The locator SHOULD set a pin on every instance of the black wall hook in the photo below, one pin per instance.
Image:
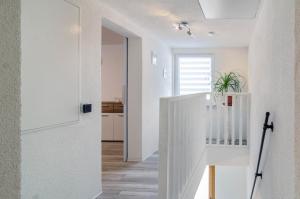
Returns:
(266, 125)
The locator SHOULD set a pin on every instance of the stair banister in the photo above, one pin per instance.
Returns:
(265, 128)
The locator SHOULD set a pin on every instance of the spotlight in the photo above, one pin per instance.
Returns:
(189, 32)
(180, 27)
(184, 25)
(211, 34)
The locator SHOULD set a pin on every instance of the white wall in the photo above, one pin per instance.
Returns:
(225, 59)
(231, 182)
(64, 162)
(10, 107)
(297, 99)
(272, 66)
(134, 99)
(154, 87)
(112, 72)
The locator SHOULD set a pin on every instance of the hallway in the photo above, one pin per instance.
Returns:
(127, 180)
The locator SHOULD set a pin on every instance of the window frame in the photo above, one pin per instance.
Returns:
(176, 87)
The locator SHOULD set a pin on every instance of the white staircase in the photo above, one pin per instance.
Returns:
(196, 130)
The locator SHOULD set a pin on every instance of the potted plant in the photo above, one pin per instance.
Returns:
(228, 82)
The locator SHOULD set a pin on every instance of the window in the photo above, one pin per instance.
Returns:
(194, 74)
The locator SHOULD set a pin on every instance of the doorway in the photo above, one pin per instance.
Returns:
(114, 75)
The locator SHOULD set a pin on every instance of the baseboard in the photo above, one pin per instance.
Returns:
(135, 160)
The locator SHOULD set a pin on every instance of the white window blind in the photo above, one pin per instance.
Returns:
(195, 74)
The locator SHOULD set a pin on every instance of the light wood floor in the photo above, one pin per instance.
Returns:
(129, 180)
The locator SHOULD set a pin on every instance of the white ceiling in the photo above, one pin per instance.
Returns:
(159, 16)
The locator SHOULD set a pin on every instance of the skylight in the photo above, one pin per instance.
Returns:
(229, 9)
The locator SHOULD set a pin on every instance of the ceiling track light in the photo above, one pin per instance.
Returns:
(180, 27)
(184, 26)
(211, 34)
(189, 32)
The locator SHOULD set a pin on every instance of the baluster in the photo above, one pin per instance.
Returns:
(172, 134)
(176, 155)
(233, 120)
(218, 118)
(184, 133)
(247, 118)
(211, 120)
(180, 126)
(186, 157)
(241, 121)
(226, 120)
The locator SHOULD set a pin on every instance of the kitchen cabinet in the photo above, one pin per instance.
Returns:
(112, 126)
(119, 127)
(107, 127)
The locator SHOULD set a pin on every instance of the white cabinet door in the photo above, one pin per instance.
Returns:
(119, 127)
(107, 127)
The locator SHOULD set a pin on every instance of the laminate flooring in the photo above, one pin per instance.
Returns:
(127, 180)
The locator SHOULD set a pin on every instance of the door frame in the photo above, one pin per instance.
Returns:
(125, 100)
(131, 90)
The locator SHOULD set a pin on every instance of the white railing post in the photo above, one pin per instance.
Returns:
(248, 119)
(241, 121)
(233, 114)
(210, 121)
(164, 148)
(218, 118)
(225, 119)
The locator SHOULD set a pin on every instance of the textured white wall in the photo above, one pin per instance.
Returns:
(231, 182)
(297, 101)
(271, 66)
(65, 162)
(10, 107)
(112, 72)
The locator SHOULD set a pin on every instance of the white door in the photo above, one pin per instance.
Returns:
(119, 127)
(107, 127)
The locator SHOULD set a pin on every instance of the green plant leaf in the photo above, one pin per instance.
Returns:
(228, 82)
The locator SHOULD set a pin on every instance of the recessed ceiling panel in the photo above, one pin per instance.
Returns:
(229, 9)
